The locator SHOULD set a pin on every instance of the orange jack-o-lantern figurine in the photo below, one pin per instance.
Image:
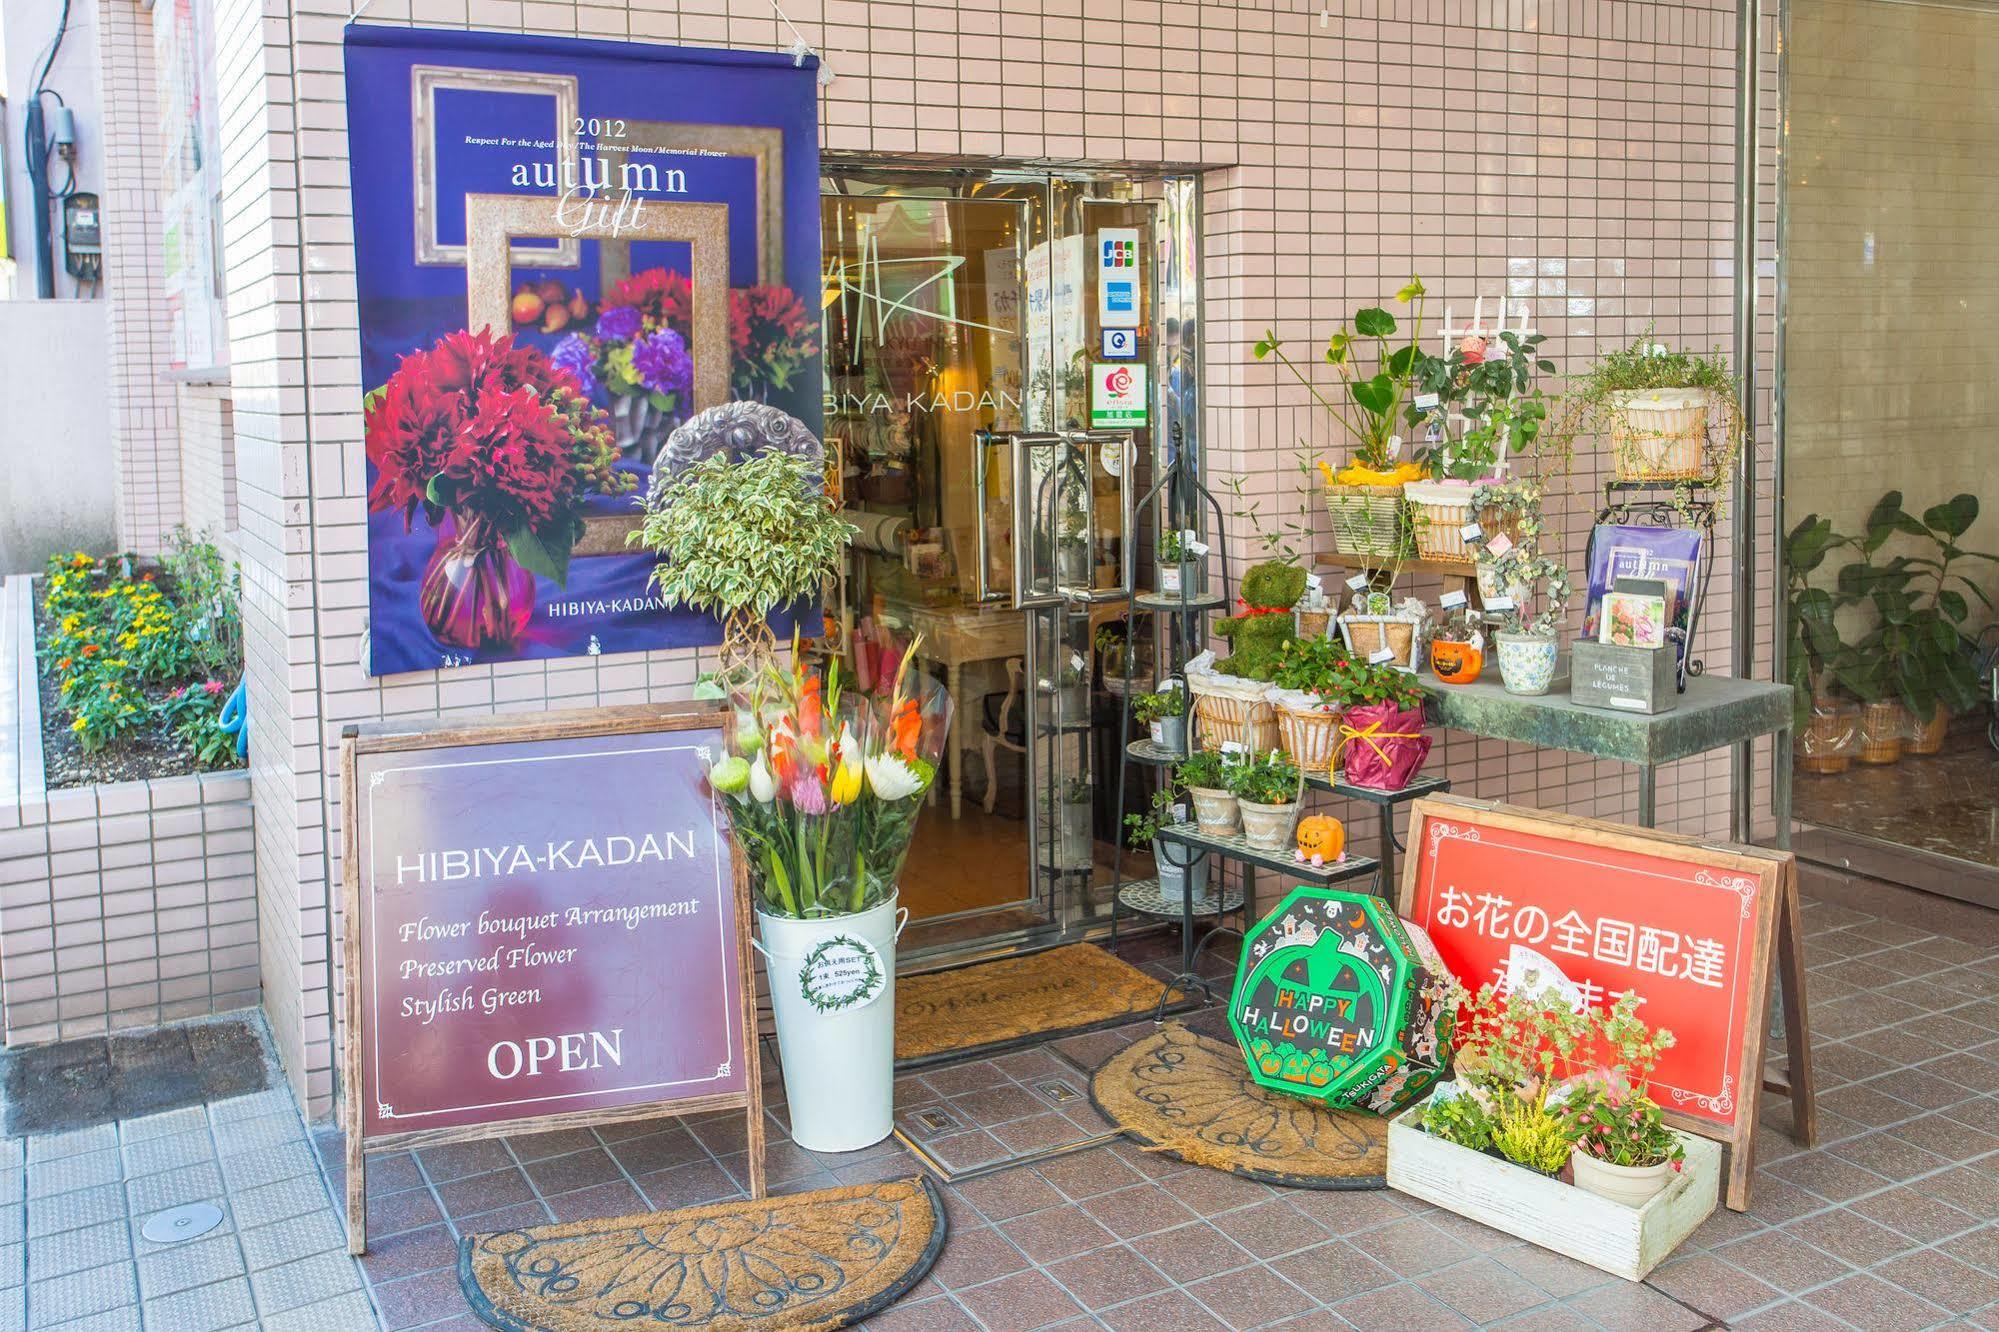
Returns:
(1321, 835)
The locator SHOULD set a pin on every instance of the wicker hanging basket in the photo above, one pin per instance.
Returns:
(1233, 710)
(1660, 434)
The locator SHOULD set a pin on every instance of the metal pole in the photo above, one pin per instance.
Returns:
(1748, 46)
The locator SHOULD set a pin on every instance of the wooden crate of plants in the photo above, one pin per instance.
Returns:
(1624, 1241)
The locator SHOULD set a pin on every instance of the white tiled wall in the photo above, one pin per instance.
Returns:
(1573, 153)
(208, 462)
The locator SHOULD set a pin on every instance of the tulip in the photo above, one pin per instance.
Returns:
(763, 785)
(729, 776)
(891, 779)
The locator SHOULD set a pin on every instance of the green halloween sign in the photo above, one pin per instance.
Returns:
(1335, 1000)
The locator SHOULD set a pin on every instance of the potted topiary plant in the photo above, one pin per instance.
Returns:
(1232, 700)
(1267, 788)
(1532, 590)
(1669, 415)
(1205, 774)
(1164, 715)
(1372, 407)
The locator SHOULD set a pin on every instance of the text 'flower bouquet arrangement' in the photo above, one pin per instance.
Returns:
(499, 447)
(825, 788)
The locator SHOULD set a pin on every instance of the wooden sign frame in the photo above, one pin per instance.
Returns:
(1777, 948)
(581, 723)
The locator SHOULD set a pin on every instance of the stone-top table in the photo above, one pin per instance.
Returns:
(1715, 712)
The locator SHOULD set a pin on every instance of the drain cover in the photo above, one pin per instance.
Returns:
(181, 1223)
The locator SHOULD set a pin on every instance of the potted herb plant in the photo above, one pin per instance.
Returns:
(1309, 675)
(1623, 1150)
(1267, 787)
(1377, 377)
(1182, 869)
(1179, 565)
(1164, 714)
(1483, 388)
(1670, 415)
(1205, 774)
(1530, 590)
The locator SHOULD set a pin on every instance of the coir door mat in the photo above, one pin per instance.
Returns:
(992, 1005)
(1190, 1096)
(824, 1259)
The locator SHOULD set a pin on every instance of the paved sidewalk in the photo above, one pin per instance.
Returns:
(1888, 1225)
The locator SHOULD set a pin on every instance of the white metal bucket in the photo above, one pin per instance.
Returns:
(837, 1044)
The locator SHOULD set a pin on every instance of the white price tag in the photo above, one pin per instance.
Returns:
(1425, 401)
(1076, 660)
(1472, 532)
(1313, 583)
(1499, 603)
(1233, 747)
(1451, 600)
(1499, 545)
(1478, 641)
(1377, 658)
(1197, 547)
(1358, 582)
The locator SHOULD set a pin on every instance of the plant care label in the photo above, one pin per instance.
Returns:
(1472, 532)
(525, 911)
(1452, 600)
(842, 973)
(1234, 747)
(1359, 582)
(1380, 657)
(1314, 584)
(1076, 661)
(1195, 547)
(1426, 401)
(1499, 545)
(1498, 604)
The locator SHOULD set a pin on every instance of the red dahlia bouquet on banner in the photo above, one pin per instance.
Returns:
(499, 447)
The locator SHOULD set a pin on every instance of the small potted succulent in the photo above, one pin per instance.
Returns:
(1377, 380)
(1205, 774)
(1179, 564)
(1530, 591)
(1267, 787)
(1183, 870)
(1164, 714)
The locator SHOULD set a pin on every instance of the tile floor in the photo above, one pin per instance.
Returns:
(1889, 1224)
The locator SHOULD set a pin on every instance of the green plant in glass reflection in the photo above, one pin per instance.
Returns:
(1917, 653)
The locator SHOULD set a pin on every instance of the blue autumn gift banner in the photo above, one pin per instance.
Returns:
(564, 251)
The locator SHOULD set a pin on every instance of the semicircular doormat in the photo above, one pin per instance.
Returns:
(1190, 1096)
(824, 1259)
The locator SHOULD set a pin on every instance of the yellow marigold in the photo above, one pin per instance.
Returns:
(78, 724)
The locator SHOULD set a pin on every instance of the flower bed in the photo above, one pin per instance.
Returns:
(135, 664)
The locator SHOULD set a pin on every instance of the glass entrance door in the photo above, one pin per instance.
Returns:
(961, 330)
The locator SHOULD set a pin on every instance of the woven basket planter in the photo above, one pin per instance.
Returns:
(1367, 520)
(1927, 737)
(1309, 735)
(1827, 743)
(1883, 728)
(1660, 434)
(1437, 516)
(1369, 634)
(1225, 712)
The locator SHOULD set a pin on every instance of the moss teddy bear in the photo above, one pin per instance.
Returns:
(1269, 591)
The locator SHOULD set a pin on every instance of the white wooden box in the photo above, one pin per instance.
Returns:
(1624, 1241)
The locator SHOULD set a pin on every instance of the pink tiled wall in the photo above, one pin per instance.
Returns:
(1575, 154)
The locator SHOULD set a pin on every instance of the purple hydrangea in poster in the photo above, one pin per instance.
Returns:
(563, 250)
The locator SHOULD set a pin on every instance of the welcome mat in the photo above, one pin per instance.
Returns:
(991, 1005)
(824, 1259)
(1190, 1096)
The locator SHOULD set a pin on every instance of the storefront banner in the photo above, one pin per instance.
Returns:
(564, 250)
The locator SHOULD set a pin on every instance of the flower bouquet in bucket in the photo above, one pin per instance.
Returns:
(823, 794)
